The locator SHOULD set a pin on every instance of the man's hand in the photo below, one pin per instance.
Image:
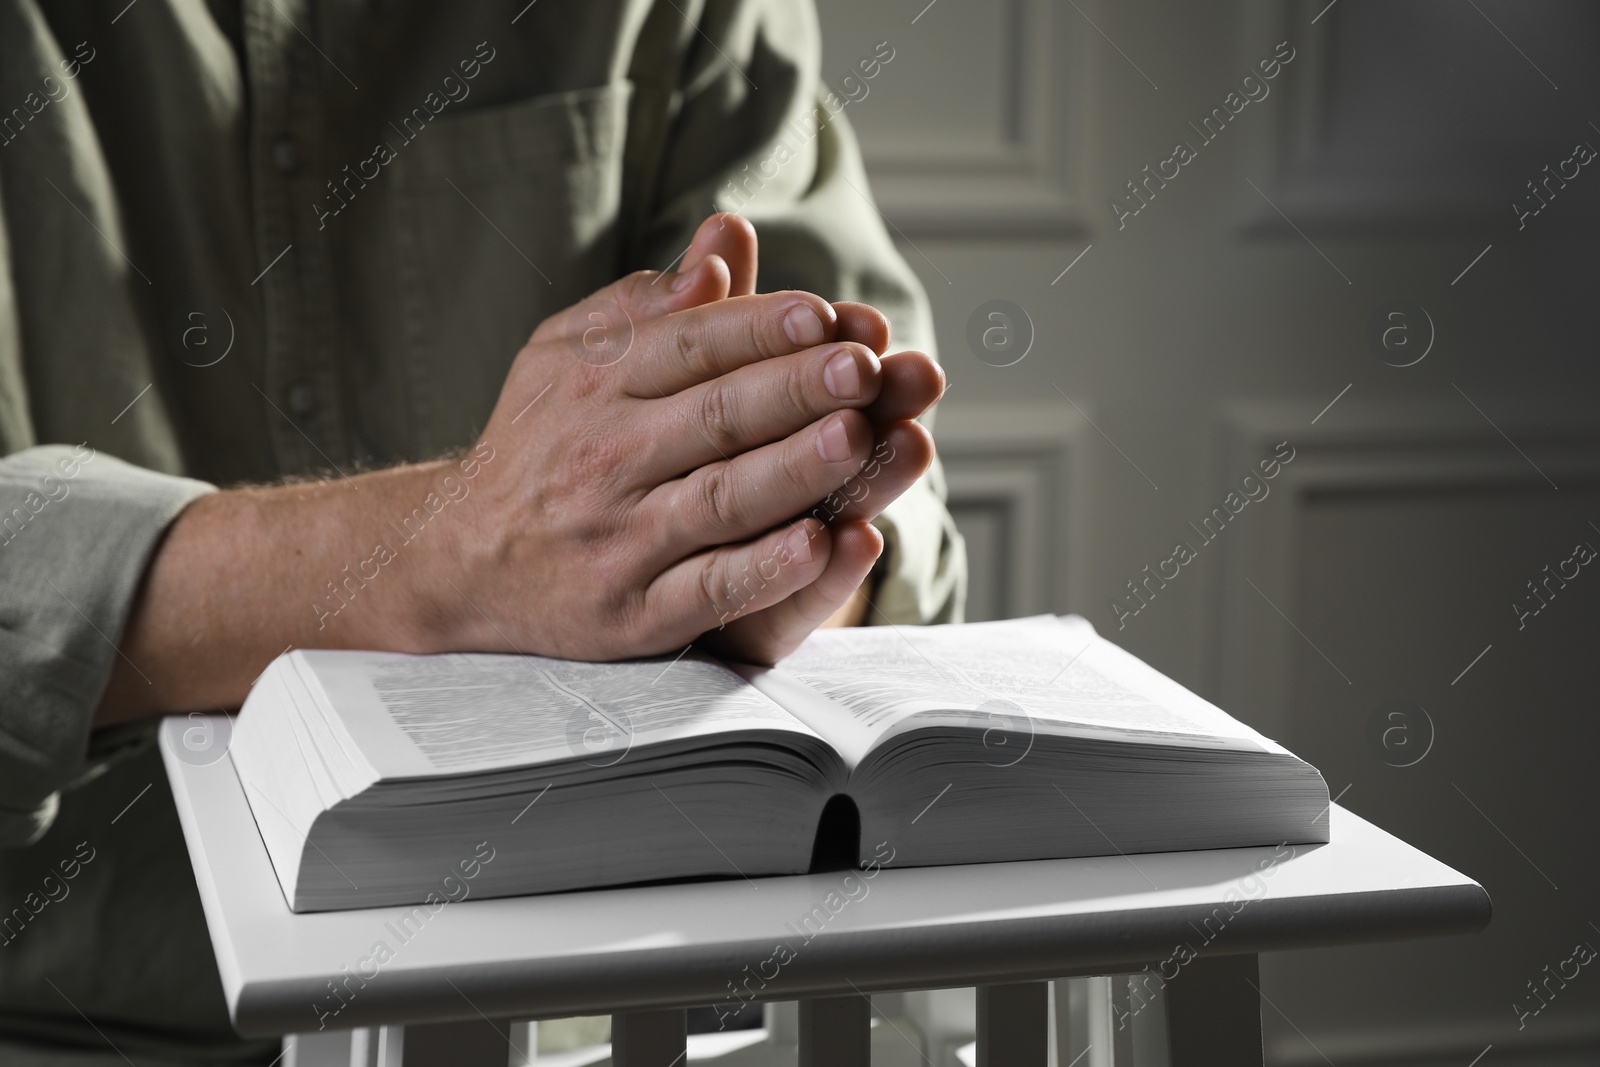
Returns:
(612, 507)
(910, 384)
(666, 494)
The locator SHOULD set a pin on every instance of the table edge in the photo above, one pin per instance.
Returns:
(875, 961)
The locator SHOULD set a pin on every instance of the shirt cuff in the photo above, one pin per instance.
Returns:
(924, 562)
(77, 529)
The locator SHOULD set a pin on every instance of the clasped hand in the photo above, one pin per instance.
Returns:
(678, 456)
(673, 459)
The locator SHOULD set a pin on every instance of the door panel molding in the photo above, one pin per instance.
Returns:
(1028, 180)
(1370, 448)
(1025, 464)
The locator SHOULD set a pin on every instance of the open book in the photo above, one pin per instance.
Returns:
(380, 778)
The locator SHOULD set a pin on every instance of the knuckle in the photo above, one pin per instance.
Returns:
(714, 497)
(689, 339)
(713, 591)
(588, 380)
(799, 392)
(760, 337)
(596, 463)
(796, 476)
(633, 614)
(715, 412)
(632, 292)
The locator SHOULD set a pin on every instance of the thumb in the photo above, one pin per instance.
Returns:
(637, 297)
(720, 262)
(733, 238)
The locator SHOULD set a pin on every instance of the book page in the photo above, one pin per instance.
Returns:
(1018, 676)
(461, 713)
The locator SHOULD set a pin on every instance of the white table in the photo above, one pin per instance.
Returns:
(643, 954)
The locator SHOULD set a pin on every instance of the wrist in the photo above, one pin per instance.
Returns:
(386, 587)
(423, 516)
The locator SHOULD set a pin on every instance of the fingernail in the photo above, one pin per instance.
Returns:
(683, 280)
(803, 326)
(833, 443)
(799, 545)
(842, 376)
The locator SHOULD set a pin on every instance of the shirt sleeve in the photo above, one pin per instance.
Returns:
(77, 529)
(749, 126)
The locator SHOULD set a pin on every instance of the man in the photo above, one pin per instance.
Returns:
(250, 241)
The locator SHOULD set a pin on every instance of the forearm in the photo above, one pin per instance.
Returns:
(633, 514)
(242, 575)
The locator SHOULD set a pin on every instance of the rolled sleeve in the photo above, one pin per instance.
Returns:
(77, 529)
(923, 576)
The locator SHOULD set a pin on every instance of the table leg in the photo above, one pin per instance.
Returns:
(836, 1032)
(1072, 1023)
(477, 1043)
(1118, 1018)
(327, 1048)
(649, 1039)
(376, 1046)
(1214, 1012)
(1013, 1024)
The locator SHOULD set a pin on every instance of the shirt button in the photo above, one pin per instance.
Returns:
(302, 399)
(284, 155)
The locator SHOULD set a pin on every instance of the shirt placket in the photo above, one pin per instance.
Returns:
(289, 81)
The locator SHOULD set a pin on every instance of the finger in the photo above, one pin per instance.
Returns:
(706, 342)
(863, 324)
(767, 636)
(912, 383)
(732, 237)
(902, 453)
(730, 500)
(715, 587)
(620, 307)
(757, 405)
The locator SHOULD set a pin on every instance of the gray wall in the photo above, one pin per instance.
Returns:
(1190, 338)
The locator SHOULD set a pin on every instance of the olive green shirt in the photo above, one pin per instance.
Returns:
(247, 240)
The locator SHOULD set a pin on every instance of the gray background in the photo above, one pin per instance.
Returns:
(1224, 318)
